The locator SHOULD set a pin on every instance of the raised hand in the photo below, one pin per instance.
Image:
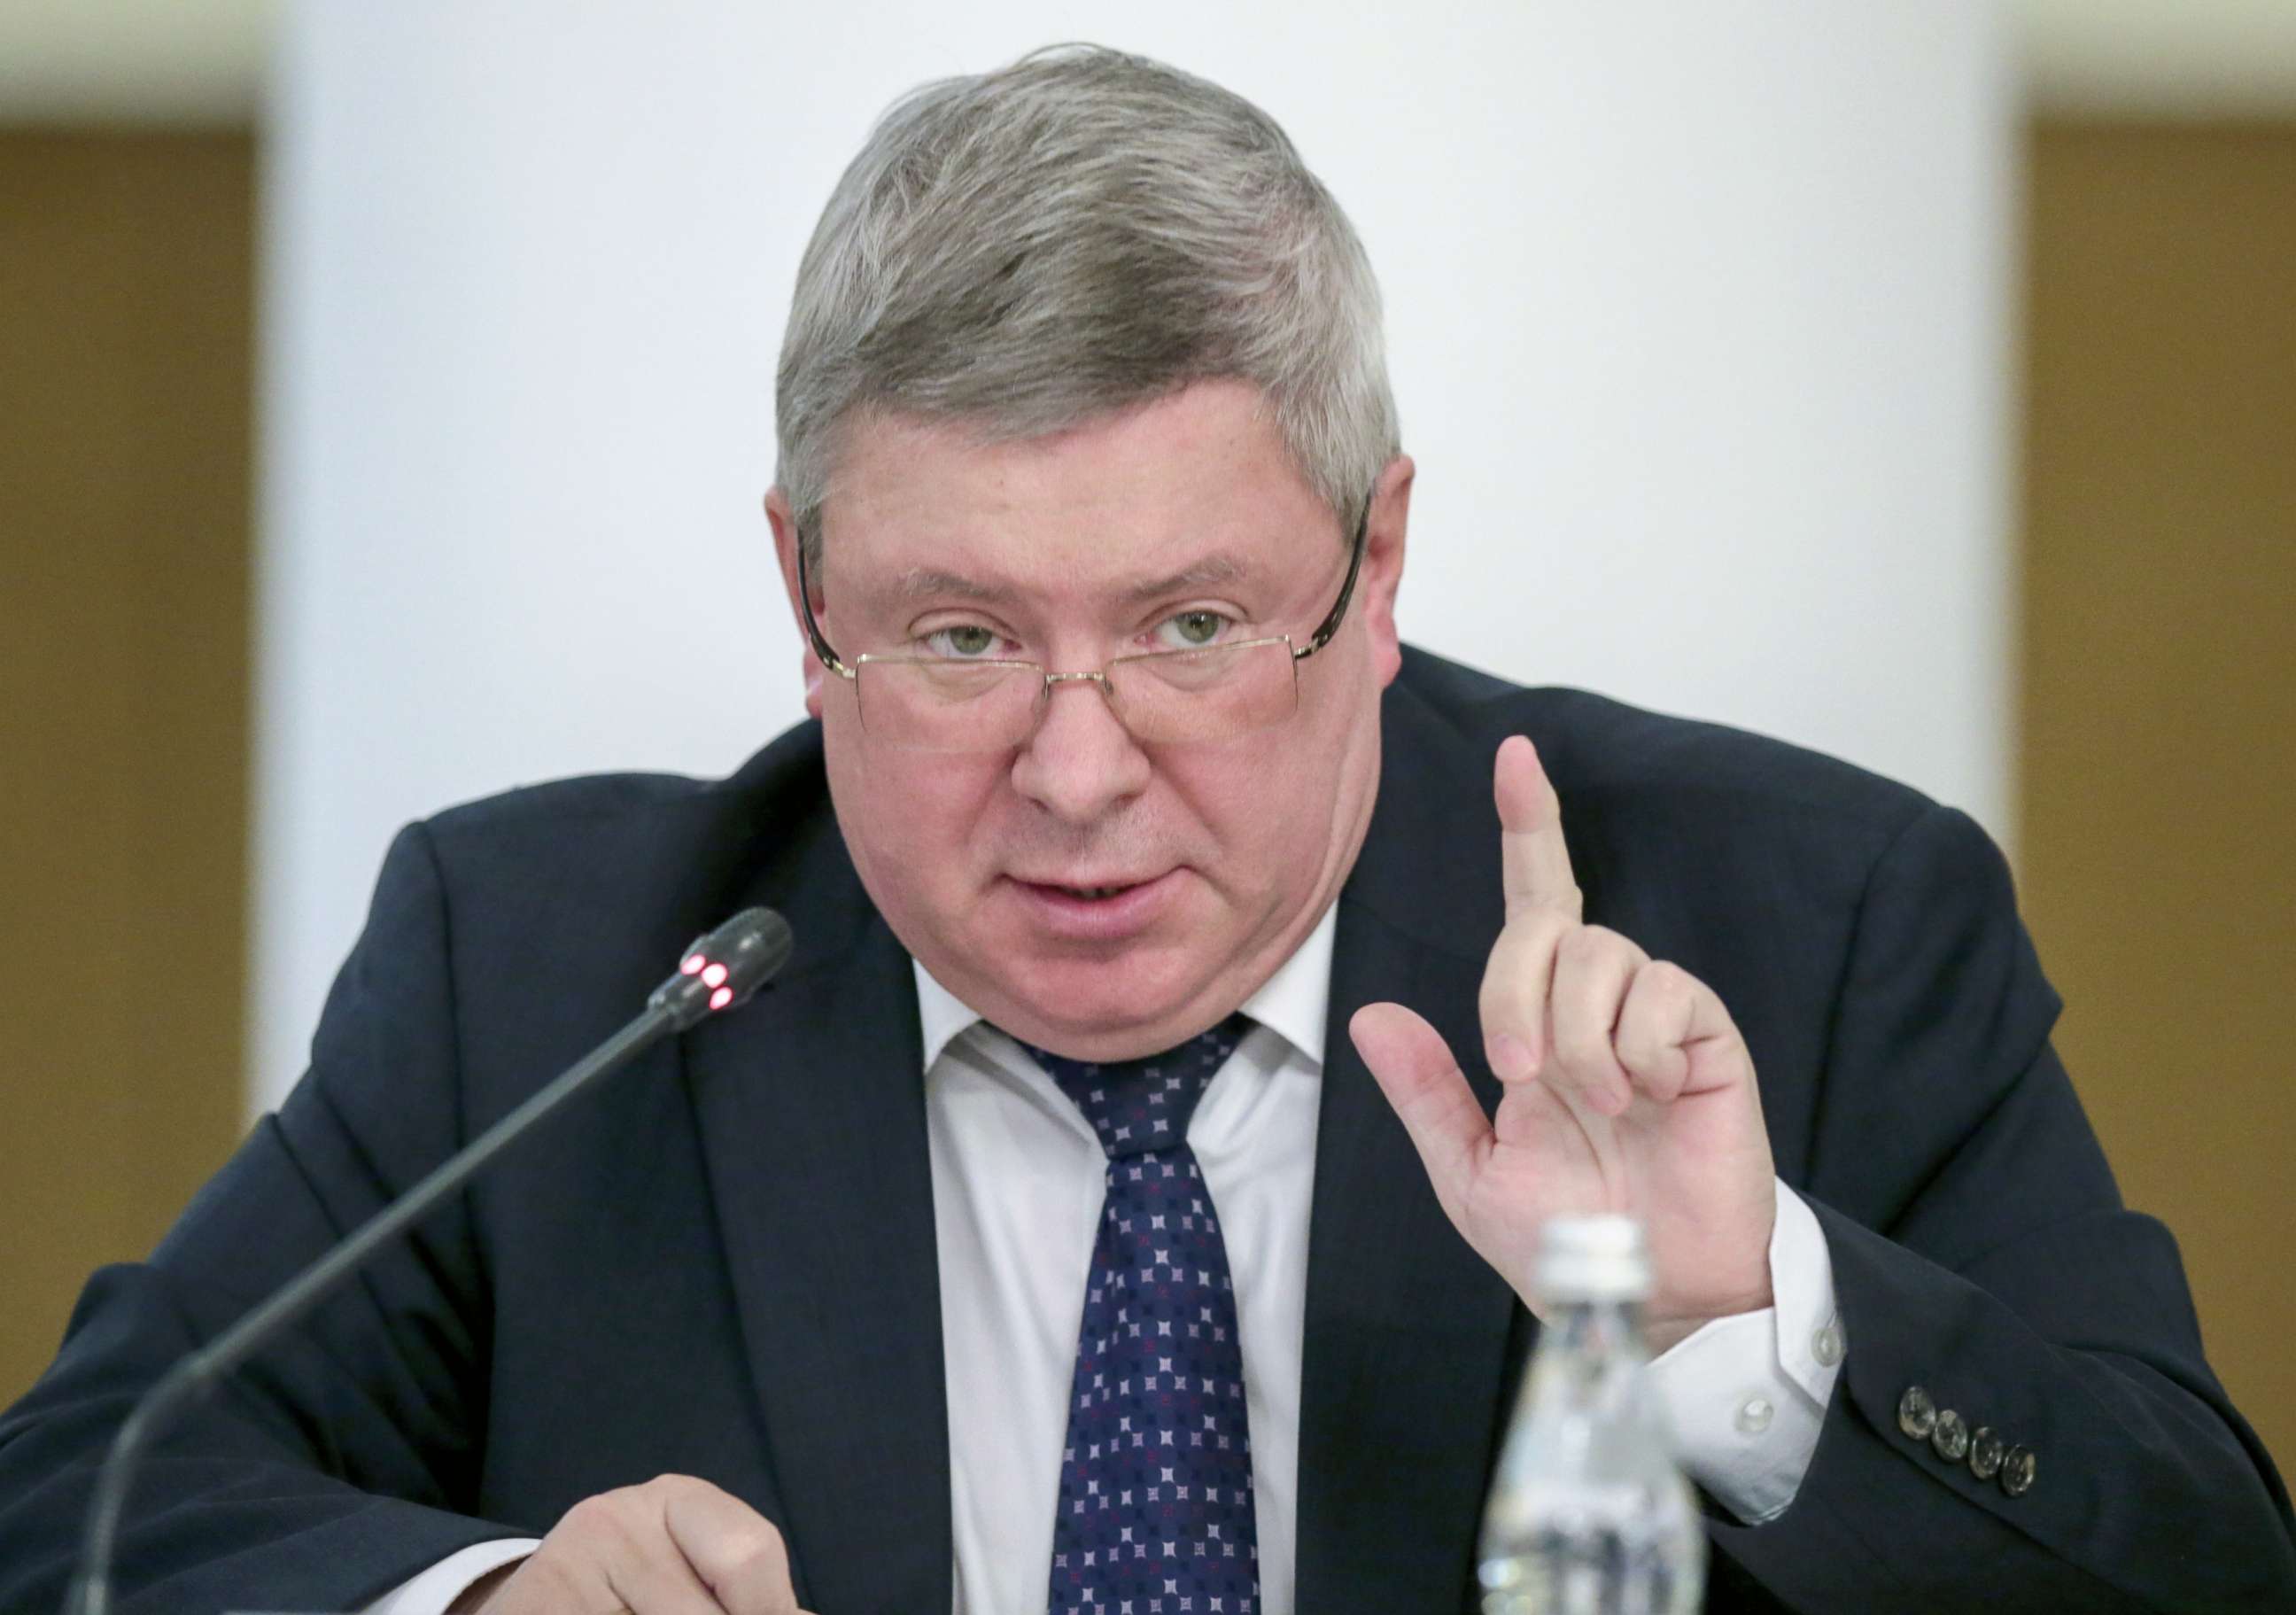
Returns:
(1627, 1088)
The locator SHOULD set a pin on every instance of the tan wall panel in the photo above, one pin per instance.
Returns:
(2160, 720)
(125, 297)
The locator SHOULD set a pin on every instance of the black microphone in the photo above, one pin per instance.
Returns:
(719, 973)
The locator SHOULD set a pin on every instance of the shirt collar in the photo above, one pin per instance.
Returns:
(1293, 1002)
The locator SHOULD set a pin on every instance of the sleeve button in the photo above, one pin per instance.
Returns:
(1916, 1414)
(1951, 1436)
(2017, 1471)
(1985, 1451)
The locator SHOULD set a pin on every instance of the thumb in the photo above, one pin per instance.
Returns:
(1415, 1069)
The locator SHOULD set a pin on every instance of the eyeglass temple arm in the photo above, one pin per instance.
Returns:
(828, 657)
(1330, 626)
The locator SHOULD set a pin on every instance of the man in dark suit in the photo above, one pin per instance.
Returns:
(1092, 510)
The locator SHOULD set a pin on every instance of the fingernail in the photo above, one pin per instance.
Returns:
(1510, 1057)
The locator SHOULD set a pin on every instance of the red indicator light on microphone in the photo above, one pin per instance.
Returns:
(723, 997)
(692, 966)
(714, 975)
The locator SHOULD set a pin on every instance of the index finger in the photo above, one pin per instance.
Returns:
(1534, 863)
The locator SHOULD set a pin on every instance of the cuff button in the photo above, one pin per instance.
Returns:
(1951, 1436)
(1985, 1451)
(2017, 1472)
(1916, 1414)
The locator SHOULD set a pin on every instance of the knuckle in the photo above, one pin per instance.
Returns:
(592, 1512)
(1635, 1038)
(1671, 984)
(664, 1491)
(1648, 1055)
(604, 1523)
(1592, 947)
(759, 1551)
(1582, 1053)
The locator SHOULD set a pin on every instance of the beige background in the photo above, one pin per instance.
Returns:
(2158, 755)
(123, 341)
(2158, 761)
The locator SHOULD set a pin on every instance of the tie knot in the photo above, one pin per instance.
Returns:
(1138, 1106)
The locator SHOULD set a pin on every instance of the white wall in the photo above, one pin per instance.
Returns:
(1698, 316)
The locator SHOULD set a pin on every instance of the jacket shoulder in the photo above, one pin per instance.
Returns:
(612, 874)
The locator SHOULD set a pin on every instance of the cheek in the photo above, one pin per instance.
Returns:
(1269, 806)
(910, 820)
(1334, 770)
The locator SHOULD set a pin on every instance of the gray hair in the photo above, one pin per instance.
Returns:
(1071, 236)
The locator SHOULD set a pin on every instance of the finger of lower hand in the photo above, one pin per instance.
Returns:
(1592, 967)
(609, 1553)
(662, 1583)
(733, 1550)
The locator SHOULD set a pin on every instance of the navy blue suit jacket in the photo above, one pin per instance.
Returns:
(724, 1263)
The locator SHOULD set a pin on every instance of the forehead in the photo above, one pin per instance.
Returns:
(1155, 490)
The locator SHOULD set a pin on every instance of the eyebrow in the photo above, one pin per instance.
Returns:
(923, 583)
(919, 583)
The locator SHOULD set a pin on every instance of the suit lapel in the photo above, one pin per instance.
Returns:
(1407, 1332)
(812, 1111)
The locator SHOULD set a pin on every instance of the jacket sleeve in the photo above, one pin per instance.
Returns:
(330, 1467)
(1981, 1254)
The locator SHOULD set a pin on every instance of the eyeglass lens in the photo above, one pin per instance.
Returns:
(937, 704)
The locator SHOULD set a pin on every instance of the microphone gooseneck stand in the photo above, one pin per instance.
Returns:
(719, 973)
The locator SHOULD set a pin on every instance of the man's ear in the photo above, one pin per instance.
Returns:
(784, 525)
(1384, 542)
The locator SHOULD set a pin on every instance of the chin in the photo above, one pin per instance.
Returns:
(1117, 1007)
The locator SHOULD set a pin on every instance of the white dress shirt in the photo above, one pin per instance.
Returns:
(1018, 1178)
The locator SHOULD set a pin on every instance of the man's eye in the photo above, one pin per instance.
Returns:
(966, 643)
(1191, 630)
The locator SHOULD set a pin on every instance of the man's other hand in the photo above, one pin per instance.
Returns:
(673, 1546)
(1626, 1087)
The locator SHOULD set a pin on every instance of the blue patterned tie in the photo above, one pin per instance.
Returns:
(1155, 1514)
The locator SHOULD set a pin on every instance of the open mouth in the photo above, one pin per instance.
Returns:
(1099, 911)
(1090, 891)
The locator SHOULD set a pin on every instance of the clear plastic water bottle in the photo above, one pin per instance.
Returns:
(1588, 1515)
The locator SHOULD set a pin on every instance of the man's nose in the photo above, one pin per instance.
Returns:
(1081, 761)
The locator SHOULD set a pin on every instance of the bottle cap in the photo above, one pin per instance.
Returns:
(1592, 1258)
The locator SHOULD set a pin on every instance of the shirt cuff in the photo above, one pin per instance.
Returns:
(1747, 1395)
(435, 1590)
